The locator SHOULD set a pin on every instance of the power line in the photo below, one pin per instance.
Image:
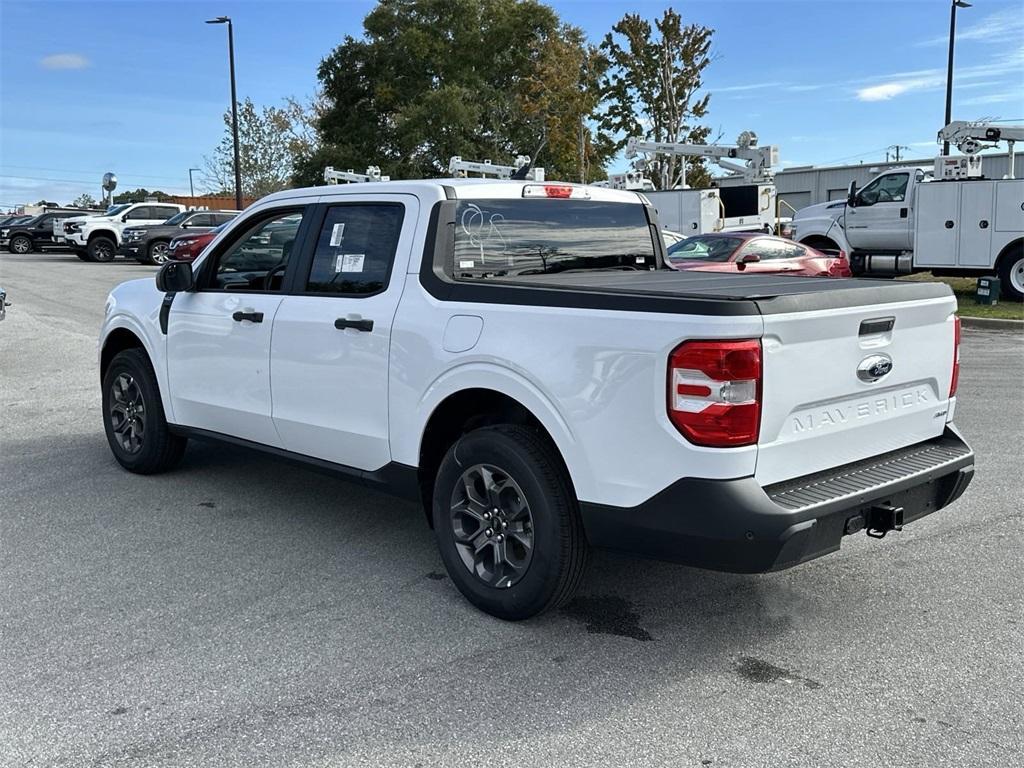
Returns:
(66, 181)
(90, 173)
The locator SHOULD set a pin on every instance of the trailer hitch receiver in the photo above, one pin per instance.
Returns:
(883, 518)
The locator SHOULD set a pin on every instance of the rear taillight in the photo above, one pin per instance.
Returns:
(956, 356)
(714, 391)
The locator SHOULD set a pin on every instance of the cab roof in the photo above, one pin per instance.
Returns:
(441, 189)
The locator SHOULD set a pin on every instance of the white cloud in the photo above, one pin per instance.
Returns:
(65, 61)
(992, 98)
(740, 88)
(893, 88)
(1000, 27)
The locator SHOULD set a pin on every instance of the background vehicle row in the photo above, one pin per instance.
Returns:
(149, 244)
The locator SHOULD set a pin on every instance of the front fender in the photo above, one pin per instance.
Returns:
(145, 327)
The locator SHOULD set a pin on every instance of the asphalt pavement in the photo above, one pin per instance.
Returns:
(243, 612)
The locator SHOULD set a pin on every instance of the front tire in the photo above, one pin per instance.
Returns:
(83, 255)
(133, 416)
(20, 245)
(507, 522)
(102, 249)
(157, 253)
(1011, 275)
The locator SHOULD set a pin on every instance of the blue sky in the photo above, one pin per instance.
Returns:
(138, 87)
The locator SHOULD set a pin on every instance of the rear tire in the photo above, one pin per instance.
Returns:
(102, 249)
(507, 522)
(20, 245)
(133, 416)
(1011, 274)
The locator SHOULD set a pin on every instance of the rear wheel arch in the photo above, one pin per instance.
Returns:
(819, 242)
(459, 414)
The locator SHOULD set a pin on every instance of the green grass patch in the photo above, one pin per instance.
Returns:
(964, 288)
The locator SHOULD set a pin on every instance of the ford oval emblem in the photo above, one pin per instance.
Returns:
(873, 368)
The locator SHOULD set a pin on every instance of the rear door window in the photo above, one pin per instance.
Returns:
(139, 214)
(355, 249)
(162, 212)
(508, 238)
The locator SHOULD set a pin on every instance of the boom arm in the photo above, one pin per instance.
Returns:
(758, 161)
(971, 138)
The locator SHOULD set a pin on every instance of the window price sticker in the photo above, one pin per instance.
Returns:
(349, 262)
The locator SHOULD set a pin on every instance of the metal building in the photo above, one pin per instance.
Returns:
(807, 184)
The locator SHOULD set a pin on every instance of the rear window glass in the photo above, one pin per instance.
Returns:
(507, 238)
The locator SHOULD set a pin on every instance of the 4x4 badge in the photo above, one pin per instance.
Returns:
(874, 367)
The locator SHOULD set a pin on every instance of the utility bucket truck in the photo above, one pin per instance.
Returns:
(745, 207)
(951, 223)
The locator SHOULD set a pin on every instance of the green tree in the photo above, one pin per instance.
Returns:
(272, 141)
(139, 195)
(46, 204)
(651, 88)
(434, 78)
(84, 200)
(561, 95)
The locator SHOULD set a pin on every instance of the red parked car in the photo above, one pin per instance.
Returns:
(188, 247)
(755, 253)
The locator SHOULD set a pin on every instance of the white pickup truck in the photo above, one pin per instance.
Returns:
(97, 237)
(517, 356)
(903, 222)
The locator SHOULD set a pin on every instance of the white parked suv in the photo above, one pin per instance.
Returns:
(97, 237)
(517, 356)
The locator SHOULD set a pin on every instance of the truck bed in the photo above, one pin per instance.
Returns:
(690, 292)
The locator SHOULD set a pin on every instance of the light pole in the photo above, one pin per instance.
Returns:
(191, 187)
(949, 66)
(234, 106)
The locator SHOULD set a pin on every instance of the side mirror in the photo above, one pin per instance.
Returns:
(125, 217)
(851, 195)
(175, 277)
(750, 258)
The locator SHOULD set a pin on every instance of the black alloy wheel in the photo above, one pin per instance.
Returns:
(492, 525)
(127, 413)
(102, 249)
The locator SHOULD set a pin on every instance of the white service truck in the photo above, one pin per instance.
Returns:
(746, 207)
(905, 220)
(517, 356)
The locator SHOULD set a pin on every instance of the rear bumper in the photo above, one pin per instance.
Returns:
(739, 526)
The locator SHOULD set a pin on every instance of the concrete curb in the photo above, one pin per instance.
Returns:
(992, 323)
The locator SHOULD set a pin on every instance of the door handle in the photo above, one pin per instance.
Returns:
(358, 325)
(252, 317)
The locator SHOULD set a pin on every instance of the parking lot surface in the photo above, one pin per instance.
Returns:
(241, 611)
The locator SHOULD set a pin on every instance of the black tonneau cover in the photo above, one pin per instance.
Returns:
(772, 294)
